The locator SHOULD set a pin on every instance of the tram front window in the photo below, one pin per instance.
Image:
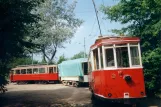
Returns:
(109, 57)
(122, 57)
(135, 56)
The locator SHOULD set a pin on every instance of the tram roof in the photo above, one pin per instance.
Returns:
(109, 40)
(33, 66)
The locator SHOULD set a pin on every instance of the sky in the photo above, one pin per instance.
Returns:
(89, 29)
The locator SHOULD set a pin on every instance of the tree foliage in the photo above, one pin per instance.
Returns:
(79, 55)
(22, 61)
(16, 22)
(61, 59)
(58, 25)
(142, 19)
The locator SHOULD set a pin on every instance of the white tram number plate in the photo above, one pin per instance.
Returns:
(126, 95)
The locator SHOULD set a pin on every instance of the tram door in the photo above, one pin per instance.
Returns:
(96, 74)
(85, 71)
(52, 70)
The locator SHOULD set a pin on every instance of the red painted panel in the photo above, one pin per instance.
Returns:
(25, 77)
(112, 81)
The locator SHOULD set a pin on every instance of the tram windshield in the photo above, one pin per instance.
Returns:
(116, 56)
(109, 57)
(122, 57)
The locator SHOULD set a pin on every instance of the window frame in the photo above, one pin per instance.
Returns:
(52, 70)
(31, 71)
(42, 68)
(139, 54)
(128, 52)
(37, 70)
(105, 64)
(114, 46)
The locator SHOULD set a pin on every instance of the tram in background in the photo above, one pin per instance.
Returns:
(115, 69)
(34, 74)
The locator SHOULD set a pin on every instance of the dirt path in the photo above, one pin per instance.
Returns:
(55, 95)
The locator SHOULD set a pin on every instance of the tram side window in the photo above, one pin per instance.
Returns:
(17, 71)
(50, 70)
(101, 57)
(89, 64)
(122, 57)
(95, 59)
(41, 70)
(29, 71)
(54, 69)
(109, 57)
(89, 67)
(23, 71)
(35, 71)
(135, 56)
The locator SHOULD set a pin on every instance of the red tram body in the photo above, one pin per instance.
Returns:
(116, 72)
(37, 74)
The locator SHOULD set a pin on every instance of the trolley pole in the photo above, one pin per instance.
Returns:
(84, 48)
(97, 17)
(32, 58)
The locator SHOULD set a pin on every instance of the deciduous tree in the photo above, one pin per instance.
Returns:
(58, 25)
(142, 19)
(16, 22)
(79, 55)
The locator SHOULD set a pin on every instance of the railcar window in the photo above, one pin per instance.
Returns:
(109, 57)
(135, 56)
(54, 69)
(41, 70)
(89, 64)
(23, 71)
(101, 57)
(122, 57)
(85, 68)
(50, 70)
(35, 70)
(95, 59)
(29, 71)
(17, 71)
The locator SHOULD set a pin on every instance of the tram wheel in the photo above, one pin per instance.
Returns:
(95, 101)
(76, 84)
(68, 83)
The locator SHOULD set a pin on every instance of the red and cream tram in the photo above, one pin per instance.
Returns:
(34, 74)
(116, 72)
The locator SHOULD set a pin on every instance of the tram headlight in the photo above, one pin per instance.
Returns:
(109, 94)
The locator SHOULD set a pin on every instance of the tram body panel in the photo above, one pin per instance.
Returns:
(26, 73)
(110, 81)
(29, 77)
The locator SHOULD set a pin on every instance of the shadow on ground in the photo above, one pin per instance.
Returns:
(65, 97)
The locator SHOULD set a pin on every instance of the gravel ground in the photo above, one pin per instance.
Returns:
(55, 95)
